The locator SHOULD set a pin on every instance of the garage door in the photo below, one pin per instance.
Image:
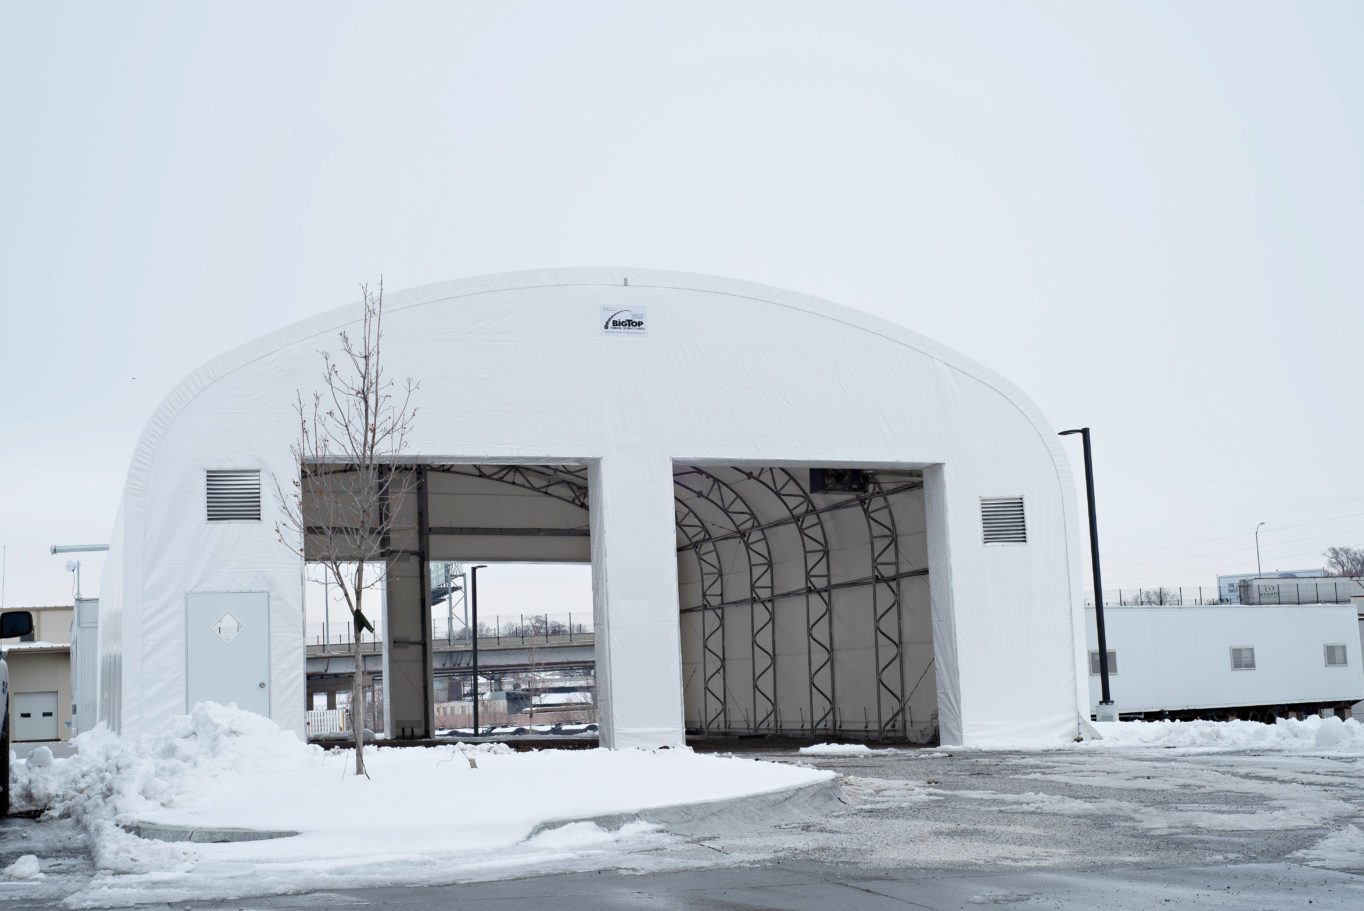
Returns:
(35, 716)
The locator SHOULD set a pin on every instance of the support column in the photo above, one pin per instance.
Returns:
(408, 705)
(941, 594)
(634, 590)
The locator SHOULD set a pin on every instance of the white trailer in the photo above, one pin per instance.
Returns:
(1247, 661)
(1314, 590)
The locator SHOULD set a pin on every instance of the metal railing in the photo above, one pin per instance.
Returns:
(500, 629)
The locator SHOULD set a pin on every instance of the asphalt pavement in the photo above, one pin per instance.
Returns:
(932, 829)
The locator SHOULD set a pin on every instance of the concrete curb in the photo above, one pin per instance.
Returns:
(199, 834)
(732, 814)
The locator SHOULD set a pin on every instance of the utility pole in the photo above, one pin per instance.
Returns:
(1258, 570)
(1106, 698)
(473, 596)
(326, 614)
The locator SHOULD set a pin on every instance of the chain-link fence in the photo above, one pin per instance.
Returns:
(1251, 591)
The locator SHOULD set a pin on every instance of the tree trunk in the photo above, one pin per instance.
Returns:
(357, 692)
(357, 702)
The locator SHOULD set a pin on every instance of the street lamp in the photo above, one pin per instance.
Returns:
(1106, 698)
(1258, 570)
(473, 598)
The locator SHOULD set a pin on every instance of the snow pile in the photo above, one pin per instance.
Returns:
(840, 749)
(1310, 735)
(425, 815)
(25, 867)
(1341, 850)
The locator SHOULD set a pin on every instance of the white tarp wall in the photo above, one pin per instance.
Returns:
(531, 368)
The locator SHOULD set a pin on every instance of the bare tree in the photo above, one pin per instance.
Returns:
(339, 509)
(1344, 561)
(1156, 596)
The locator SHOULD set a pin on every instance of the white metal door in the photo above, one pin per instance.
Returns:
(35, 716)
(228, 646)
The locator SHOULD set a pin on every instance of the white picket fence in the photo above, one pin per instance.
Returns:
(326, 721)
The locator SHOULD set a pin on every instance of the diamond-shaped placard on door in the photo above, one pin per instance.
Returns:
(228, 627)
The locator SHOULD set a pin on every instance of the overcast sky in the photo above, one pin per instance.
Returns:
(1150, 217)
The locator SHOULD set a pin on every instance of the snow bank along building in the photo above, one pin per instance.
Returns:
(801, 519)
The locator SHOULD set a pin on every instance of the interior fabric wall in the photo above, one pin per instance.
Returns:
(716, 372)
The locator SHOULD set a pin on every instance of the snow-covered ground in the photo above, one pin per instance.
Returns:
(430, 814)
(838, 749)
(1317, 735)
(1329, 735)
(1226, 804)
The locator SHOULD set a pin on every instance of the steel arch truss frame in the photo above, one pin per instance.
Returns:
(760, 596)
(819, 627)
(569, 486)
(697, 533)
(887, 613)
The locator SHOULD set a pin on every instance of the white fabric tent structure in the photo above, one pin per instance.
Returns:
(672, 429)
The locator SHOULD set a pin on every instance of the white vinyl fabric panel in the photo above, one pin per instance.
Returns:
(727, 373)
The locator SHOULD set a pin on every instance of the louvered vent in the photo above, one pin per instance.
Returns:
(1002, 520)
(233, 496)
(1095, 670)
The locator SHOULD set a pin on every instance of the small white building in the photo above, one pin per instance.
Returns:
(1256, 660)
(801, 519)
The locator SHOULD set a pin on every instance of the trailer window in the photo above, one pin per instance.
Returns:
(1336, 656)
(1094, 662)
(1243, 658)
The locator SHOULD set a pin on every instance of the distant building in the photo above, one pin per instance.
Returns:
(1229, 590)
(40, 676)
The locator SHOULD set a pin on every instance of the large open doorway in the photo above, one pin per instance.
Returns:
(804, 599)
(528, 524)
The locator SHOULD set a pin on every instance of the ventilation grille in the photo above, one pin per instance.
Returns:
(233, 496)
(1095, 670)
(1243, 659)
(1335, 656)
(1002, 520)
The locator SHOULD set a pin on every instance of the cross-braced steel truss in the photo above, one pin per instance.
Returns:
(743, 521)
(887, 617)
(714, 714)
(814, 544)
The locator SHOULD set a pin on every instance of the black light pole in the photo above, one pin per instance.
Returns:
(473, 603)
(1106, 698)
